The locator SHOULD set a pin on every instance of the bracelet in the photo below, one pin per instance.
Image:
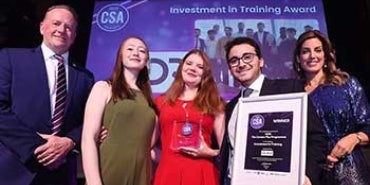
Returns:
(359, 139)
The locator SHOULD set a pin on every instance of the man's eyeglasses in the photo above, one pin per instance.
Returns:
(246, 58)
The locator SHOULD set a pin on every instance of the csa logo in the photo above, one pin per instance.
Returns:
(112, 17)
(257, 121)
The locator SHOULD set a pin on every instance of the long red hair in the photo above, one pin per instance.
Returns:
(208, 99)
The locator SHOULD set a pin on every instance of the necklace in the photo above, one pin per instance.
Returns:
(187, 128)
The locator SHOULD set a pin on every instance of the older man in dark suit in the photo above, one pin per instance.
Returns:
(42, 99)
(245, 63)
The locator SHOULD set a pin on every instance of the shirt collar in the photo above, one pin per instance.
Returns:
(257, 84)
(49, 54)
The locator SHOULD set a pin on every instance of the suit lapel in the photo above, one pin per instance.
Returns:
(40, 79)
(37, 77)
(37, 66)
(268, 87)
(72, 82)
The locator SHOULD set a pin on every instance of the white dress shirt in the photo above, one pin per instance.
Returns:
(51, 64)
(231, 129)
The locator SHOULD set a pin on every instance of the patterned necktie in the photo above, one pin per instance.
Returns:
(246, 92)
(61, 94)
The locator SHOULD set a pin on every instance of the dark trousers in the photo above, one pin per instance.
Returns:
(66, 174)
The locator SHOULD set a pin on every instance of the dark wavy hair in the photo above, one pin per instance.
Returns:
(242, 40)
(332, 73)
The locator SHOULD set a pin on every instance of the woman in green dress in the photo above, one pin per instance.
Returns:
(123, 105)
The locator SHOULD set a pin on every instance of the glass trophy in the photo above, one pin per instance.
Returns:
(185, 134)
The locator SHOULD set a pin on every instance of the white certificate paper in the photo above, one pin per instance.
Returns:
(270, 143)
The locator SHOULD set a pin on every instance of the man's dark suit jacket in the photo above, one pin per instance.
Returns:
(316, 136)
(202, 45)
(25, 110)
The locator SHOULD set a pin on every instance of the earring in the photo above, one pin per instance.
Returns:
(298, 66)
(325, 66)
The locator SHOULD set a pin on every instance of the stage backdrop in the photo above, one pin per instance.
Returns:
(168, 27)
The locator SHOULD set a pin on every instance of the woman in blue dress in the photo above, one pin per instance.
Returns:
(340, 102)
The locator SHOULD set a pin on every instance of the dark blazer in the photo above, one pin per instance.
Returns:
(202, 45)
(264, 41)
(316, 136)
(25, 109)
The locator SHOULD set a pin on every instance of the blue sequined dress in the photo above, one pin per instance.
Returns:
(344, 110)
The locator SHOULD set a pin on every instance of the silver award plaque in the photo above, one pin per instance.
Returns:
(185, 134)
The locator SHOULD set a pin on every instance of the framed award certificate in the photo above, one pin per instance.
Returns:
(270, 140)
(185, 134)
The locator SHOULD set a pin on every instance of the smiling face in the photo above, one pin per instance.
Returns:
(192, 70)
(245, 73)
(134, 54)
(58, 30)
(311, 57)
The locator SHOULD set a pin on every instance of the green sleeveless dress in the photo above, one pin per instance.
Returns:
(125, 153)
